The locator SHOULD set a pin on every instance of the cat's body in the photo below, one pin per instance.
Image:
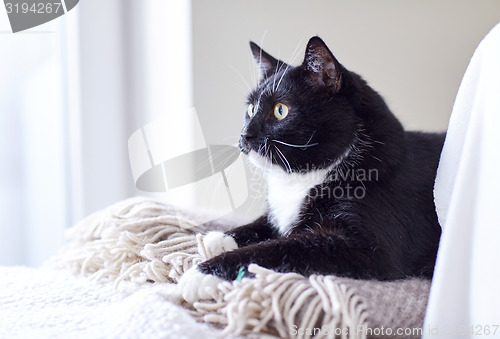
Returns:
(349, 191)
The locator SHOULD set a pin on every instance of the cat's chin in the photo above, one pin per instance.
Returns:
(260, 161)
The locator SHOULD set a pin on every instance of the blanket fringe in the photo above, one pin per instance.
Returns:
(146, 241)
(138, 239)
(286, 305)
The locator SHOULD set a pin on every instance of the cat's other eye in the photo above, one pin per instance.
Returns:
(280, 111)
(250, 110)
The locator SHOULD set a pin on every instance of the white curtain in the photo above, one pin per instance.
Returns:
(465, 293)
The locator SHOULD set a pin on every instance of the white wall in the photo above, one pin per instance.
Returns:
(413, 52)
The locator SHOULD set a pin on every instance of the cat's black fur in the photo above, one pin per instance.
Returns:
(391, 231)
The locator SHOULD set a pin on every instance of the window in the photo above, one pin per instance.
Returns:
(72, 92)
(33, 144)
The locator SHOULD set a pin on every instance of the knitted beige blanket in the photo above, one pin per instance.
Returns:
(147, 242)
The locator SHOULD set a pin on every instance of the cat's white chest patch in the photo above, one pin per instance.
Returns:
(287, 193)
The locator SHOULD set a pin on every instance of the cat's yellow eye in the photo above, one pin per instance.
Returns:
(280, 111)
(250, 111)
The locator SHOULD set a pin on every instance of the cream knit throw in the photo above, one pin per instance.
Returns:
(144, 241)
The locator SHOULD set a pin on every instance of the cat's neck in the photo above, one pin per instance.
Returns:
(287, 192)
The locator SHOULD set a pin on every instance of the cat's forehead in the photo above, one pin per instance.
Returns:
(273, 87)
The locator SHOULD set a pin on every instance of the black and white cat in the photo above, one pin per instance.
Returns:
(350, 193)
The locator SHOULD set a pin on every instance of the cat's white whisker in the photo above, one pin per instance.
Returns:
(280, 155)
(310, 138)
(297, 146)
(266, 146)
(294, 55)
(260, 64)
(259, 151)
(281, 78)
(241, 77)
(283, 159)
(275, 73)
(259, 74)
(253, 70)
(243, 91)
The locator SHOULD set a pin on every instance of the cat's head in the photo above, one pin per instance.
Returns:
(301, 117)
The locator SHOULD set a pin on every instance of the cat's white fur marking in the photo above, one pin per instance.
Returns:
(215, 243)
(195, 286)
(287, 191)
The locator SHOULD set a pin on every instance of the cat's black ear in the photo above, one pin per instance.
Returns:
(266, 62)
(324, 68)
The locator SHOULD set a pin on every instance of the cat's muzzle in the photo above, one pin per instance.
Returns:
(244, 143)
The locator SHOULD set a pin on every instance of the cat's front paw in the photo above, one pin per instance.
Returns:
(214, 243)
(195, 285)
